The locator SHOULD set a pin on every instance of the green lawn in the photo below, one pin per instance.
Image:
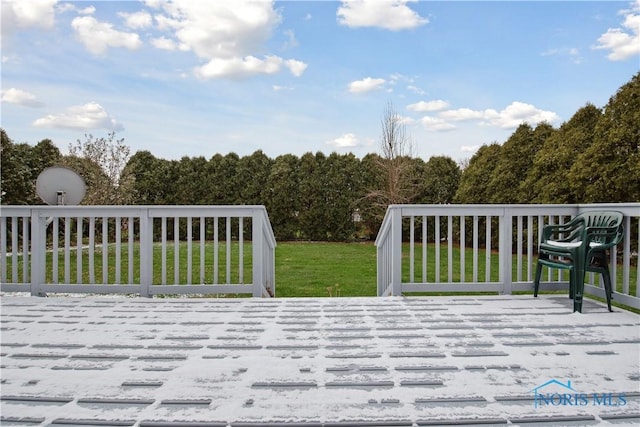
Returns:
(325, 269)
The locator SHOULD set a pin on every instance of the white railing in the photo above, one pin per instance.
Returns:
(148, 250)
(490, 248)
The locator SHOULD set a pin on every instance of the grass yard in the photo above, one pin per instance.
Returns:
(321, 269)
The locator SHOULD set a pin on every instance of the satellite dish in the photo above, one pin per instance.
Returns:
(59, 185)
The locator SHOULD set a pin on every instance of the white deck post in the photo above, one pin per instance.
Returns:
(505, 251)
(257, 246)
(38, 251)
(396, 251)
(146, 252)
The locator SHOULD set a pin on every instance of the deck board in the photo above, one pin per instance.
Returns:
(325, 361)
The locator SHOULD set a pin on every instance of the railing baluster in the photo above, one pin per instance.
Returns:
(450, 248)
(14, 249)
(105, 250)
(437, 242)
(189, 249)
(425, 245)
(203, 240)
(529, 248)
(487, 252)
(638, 261)
(79, 250)
(131, 230)
(163, 248)
(118, 226)
(92, 249)
(67, 250)
(228, 248)
(55, 230)
(240, 250)
(3, 250)
(411, 249)
(25, 250)
(176, 250)
(475, 248)
(216, 250)
(626, 258)
(462, 248)
(519, 250)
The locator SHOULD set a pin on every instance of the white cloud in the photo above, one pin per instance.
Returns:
(517, 113)
(462, 114)
(366, 85)
(229, 36)
(512, 116)
(248, 66)
(391, 15)
(83, 117)
(416, 89)
(296, 67)
(470, 148)
(623, 43)
(99, 36)
(291, 39)
(20, 97)
(572, 53)
(349, 141)
(137, 20)
(221, 29)
(428, 106)
(436, 124)
(20, 14)
(345, 141)
(68, 7)
(164, 43)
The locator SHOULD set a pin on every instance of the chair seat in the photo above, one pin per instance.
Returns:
(570, 244)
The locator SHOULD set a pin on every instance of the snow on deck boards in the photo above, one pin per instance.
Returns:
(326, 361)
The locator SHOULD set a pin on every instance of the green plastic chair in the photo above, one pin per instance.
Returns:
(580, 246)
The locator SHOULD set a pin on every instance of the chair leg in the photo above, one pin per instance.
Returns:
(536, 282)
(578, 286)
(572, 284)
(607, 286)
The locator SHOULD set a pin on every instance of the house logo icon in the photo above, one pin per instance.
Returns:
(567, 386)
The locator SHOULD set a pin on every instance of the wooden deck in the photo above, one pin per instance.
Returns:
(512, 360)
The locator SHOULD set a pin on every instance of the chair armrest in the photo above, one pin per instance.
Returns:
(571, 230)
(611, 235)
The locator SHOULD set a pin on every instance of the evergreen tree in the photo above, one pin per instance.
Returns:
(609, 169)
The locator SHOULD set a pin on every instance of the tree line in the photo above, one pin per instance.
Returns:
(592, 157)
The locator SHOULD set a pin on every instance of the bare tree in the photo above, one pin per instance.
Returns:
(101, 161)
(396, 166)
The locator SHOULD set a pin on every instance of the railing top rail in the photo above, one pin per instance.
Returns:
(632, 209)
(157, 211)
(386, 223)
(271, 237)
(7, 211)
(125, 210)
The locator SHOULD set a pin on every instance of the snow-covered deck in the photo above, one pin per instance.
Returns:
(327, 361)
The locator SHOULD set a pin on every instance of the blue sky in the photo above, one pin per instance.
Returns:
(196, 78)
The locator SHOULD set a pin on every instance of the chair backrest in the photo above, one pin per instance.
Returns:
(608, 221)
(602, 218)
